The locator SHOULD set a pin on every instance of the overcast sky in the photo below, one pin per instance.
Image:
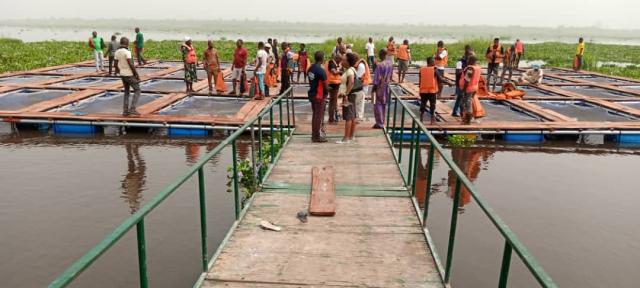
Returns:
(618, 14)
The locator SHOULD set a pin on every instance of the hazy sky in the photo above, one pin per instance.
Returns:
(619, 14)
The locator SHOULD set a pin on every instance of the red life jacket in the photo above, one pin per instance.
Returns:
(472, 86)
(428, 81)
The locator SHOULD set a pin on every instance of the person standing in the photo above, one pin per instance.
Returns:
(239, 65)
(190, 60)
(130, 78)
(339, 48)
(430, 82)
(494, 56)
(510, 58)
(303, 62)
(318, 88)
(371, 53)
(519, 52)
(579, 55)
(391, 49)
(334, 75)
(364, 75)
(97, 45)
(404, 57)
(261, 68)
(349, 86)
(211, 64)
(270, 75)
(381, 79)
(469, 85)
(111, 52)
(140, 47)
(441, 60)
(276, 57)
(462, 63)
(285, 70)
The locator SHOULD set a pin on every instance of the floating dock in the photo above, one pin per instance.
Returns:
(73, 95)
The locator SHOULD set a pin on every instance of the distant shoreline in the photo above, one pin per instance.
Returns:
(76, 29)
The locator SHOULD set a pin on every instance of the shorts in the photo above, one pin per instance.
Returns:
(440, 71)
(403, 65)
(236, 73)
(427, 97)
(349, 112)
(334, 87)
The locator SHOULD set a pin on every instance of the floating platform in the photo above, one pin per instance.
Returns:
(566, 103)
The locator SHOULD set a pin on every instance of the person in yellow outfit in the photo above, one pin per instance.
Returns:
(579, 54)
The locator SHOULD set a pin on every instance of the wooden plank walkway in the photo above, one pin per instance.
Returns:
(374, 240)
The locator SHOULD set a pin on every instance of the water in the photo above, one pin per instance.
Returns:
(574, 207)
(62, 195)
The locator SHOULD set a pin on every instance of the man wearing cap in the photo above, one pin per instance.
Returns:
(532, 76)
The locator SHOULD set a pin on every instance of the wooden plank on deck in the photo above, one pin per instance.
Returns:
(323, 192)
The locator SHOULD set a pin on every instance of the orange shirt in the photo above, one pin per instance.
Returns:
(403, 52)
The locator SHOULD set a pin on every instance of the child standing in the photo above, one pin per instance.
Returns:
(303, 63)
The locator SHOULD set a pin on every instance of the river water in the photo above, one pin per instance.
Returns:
(574, 207)
(62, 195)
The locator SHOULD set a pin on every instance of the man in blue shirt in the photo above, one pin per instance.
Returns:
(318, 89)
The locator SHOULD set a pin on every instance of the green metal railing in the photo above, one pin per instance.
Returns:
(138, 219)
(395, 133)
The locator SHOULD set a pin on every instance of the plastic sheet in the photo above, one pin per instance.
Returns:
(497, 111)
(108, 102)
(583, 111)
(163, 85)
(23, 98)
(596, 92)
(90, 82)
(204, 105)
(25, 79)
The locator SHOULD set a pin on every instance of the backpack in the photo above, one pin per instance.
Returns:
(357, 83)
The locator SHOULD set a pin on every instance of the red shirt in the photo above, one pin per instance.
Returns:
(240, 57)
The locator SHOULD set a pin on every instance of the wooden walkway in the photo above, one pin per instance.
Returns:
(374, 240)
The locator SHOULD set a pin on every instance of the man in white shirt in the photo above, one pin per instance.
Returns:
(261, 68)
(129, 75)
(532, 76)
(371, 53)
(360, 70)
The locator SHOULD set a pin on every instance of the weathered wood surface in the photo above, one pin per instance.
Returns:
(323, 192)
(371, 242)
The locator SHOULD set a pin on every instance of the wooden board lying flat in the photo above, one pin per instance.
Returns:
(323, 192)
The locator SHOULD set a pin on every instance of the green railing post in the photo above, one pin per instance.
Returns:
(271, 151)
(388, 111)
(393, 130)
(281, 124)
(401, 135)
(260, 147)
(506, 263)
(452, 231)
(288, 116)
(203, 220)
(410, 168)
(293, 107)
(416, 156)
(428, 189)
(236, 192)
(142, 254)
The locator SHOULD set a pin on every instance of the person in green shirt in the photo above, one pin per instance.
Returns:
(97, 44)
(139, 45)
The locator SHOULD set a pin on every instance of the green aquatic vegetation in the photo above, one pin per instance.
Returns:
(16, 55)
(460, 140)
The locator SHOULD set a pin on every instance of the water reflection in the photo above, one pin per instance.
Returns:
(133, 183)
(470, 160)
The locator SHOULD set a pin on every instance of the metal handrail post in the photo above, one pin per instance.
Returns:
(452, 231)
(203, 219)
(142, 254)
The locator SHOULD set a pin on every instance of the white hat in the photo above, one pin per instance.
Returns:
(267, 45)
(187, 38)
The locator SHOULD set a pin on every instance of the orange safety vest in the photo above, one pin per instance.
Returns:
(497, 52)
(191, 55)
(428, 80)
(441, 62)
(391, 49)
(332, 78)
(519, 47)
(366, 78)
(475, 79)
(403, 52)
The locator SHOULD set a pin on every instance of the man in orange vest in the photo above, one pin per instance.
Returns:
(391, 49)
(469, 85)
(519, 52)
(494, 56)
(510, 58)
(404, 57)
(334, 78)
(430, 81)
(441, 61)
